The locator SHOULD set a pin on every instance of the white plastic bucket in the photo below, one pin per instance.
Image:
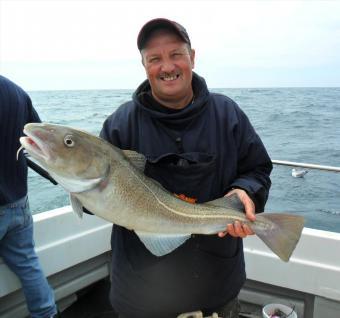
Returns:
(269, 310)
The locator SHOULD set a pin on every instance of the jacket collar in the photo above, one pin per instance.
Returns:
(181, 116)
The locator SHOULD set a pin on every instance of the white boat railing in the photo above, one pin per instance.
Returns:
(306, 165)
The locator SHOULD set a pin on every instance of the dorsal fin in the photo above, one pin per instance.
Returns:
(138, 160)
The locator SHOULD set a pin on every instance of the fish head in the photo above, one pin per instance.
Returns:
(77, 160)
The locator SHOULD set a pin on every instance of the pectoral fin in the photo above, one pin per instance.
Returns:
(162, 244)
(77, 186)
(76, 205)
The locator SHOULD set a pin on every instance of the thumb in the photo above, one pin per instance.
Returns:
(249, 207)
(250, 214)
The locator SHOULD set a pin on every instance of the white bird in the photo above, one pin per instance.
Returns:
(298, 173)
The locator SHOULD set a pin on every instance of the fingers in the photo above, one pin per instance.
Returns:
(250, 214)
(247, 202)
(237, 229)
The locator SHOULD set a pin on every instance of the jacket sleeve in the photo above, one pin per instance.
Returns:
(110, 131)
(253, 162)
(116, 128)
(33, 116)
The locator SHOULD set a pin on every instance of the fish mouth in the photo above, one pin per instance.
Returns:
(34, 145)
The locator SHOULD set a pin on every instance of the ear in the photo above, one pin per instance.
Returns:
(142, 58)
(192, 58)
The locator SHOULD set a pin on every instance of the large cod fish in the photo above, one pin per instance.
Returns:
(110, 183)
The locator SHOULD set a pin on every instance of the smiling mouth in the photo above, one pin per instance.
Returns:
(169, 78)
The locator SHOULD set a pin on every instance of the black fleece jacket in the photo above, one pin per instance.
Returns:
(201, 151)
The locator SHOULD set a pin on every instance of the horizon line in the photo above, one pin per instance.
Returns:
(210, 88)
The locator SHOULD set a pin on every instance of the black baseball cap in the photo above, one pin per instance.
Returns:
(160, 23)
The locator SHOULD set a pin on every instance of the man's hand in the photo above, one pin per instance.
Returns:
(237, 229)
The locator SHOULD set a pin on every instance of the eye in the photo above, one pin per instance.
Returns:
(153, 60)
(68, 141)
(177, 54)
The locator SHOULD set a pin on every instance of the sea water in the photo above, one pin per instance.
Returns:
(295, 124)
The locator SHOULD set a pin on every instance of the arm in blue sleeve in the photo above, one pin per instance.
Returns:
(254, 164)
(33, 116)
(110, 131)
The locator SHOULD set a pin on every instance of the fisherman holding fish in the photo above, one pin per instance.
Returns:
(199, 145)
(16, 223)
(180, 172)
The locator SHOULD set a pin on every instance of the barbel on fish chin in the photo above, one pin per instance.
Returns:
(110, 183)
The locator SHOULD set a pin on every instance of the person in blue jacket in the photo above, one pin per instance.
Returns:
(199, 145)
(16, 224)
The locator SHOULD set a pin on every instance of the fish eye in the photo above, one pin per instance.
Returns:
(68, 141)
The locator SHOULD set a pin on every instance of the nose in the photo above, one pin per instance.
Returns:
(167, 66)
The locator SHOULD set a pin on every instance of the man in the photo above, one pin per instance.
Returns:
(16, 224)
(201, 146)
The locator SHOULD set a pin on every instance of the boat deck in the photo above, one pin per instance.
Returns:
(93, 302)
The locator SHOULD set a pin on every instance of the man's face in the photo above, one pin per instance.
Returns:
(168, 64)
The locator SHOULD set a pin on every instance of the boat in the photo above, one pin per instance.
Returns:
(75, 254)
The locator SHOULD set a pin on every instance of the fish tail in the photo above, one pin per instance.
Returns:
(283, 235)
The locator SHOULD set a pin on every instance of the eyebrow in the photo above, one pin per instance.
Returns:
(179, 50)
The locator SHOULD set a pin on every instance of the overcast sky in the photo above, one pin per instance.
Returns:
(92, 44)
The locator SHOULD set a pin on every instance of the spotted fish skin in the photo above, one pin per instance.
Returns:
(110, 183)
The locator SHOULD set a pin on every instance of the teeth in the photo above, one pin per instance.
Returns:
(170, 78)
